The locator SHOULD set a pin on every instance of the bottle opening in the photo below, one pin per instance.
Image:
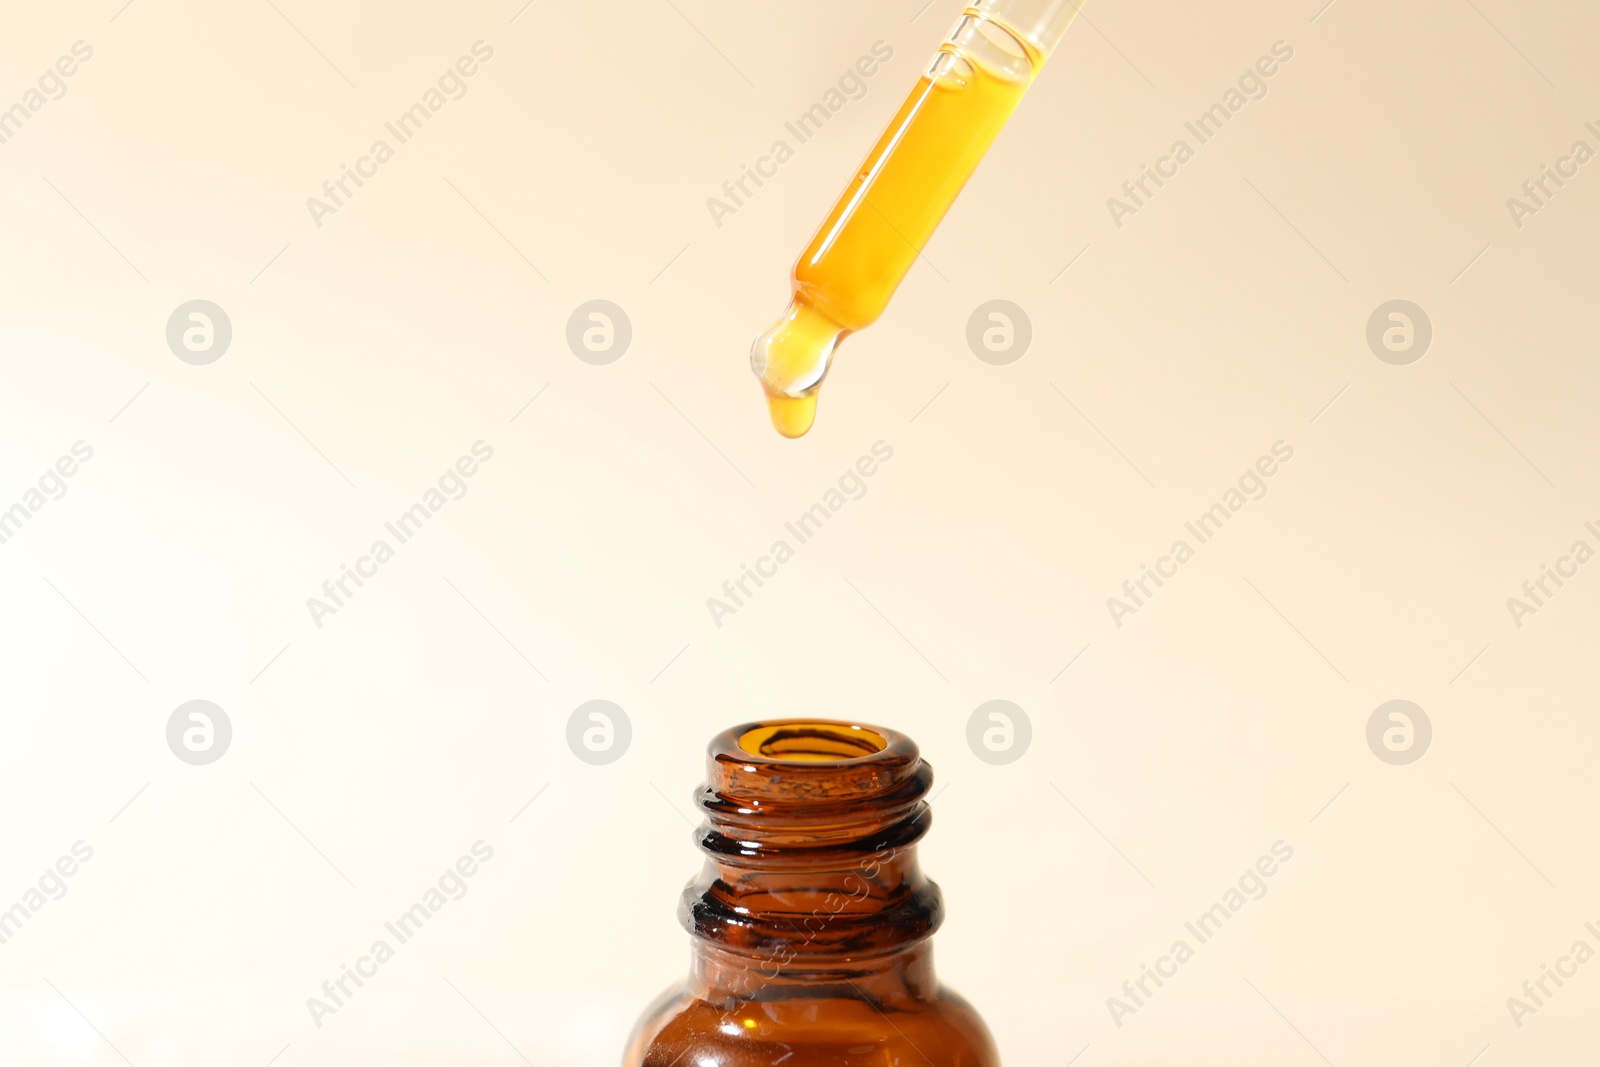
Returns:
(812, 742)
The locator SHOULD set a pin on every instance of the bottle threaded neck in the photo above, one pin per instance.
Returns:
(809, 834)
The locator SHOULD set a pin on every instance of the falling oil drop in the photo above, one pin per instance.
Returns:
(792, 416)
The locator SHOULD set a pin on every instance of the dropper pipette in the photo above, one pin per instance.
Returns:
(843, 280)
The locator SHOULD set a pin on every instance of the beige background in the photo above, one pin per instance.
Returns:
(1226, 715)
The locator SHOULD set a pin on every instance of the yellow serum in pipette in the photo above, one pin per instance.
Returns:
(873, 235)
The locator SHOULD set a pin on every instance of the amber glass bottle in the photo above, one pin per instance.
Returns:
(811, 920)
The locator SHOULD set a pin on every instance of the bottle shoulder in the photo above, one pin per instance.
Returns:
(818, 1029)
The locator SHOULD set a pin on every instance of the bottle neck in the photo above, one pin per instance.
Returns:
(811, 869)
(719, 976)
